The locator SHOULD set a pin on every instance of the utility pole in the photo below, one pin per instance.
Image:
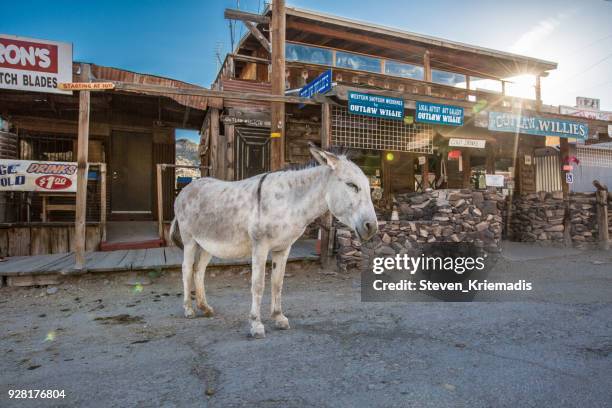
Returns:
(277, 131)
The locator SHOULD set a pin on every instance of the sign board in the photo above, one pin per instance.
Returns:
(233, 120)
(436, 113)
(569, 178)
(377, 106)
(494, 180)
(585, 113)
(28, 64)
(321, 84)
(477, 144)
(528, 160)
(28, 175)
(536, 125)
(86, 86)
(422, 160)
(588, 103)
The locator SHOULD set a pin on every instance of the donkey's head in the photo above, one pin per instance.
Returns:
(348, 193)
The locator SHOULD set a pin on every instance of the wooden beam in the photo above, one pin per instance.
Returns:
(277, 34)
(160, 200)
(82, 152)
(210, 93)
(233, 14)
(260, 37)
(326, 219)
(250, 58)
(186, 116)
(427, 70)
(103, 200)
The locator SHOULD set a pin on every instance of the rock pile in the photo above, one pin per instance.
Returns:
(447, 216)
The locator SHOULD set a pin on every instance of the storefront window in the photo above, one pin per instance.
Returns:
(304, 53)
(485, 84)
(403, 70)
(357, 62)
(448, 78)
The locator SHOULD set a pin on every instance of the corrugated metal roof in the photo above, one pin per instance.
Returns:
(102, 73)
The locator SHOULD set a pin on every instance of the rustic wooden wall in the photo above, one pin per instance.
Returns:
(38, 239)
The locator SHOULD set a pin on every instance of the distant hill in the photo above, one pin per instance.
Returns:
(187, 154)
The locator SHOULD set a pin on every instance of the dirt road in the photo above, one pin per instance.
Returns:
(108, 344)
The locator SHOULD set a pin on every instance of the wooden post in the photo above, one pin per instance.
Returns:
(214, 142)
(427, 71)
(425, 174)
(277, 131)
(160, 202)
(82, 152)
(326, 219)
(103, 200)
(538, 93)
(601, 199)
(563, 154)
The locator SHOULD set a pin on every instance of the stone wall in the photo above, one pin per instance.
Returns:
(541, 217)
(435, 216)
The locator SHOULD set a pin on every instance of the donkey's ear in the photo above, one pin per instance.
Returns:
(324, 158)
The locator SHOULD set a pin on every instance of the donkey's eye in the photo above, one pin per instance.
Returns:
(353, 186)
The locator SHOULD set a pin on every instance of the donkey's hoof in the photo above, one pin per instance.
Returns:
(189, 313)
(281, 323)
(208, 311)
(257, 330)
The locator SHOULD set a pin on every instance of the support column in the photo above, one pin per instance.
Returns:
(427, 71)
(326, 220)
(82, 152)
(277, 131)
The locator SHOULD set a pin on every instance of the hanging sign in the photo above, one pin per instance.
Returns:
(436, 113)
(477, 144)
(536, 125)
(494, 180)
(377, 106)
(321, 84)
(28, 64)
(86, 86)
(28, 175)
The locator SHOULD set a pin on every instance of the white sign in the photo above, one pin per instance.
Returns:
(28, 64)
(589, 103)
(477, 144)
(422, 160)
(569, 178)
(494, 180)
(527, 160)
(29, 175)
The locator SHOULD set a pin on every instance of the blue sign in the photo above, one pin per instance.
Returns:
(377, 106)
(536, 125)
(439, 114)
(321, 84)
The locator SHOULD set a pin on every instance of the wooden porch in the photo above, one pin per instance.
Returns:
(127, 260)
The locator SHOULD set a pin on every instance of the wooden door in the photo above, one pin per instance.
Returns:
(131, 174)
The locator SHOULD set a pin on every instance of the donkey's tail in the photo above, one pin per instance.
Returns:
(175, 234)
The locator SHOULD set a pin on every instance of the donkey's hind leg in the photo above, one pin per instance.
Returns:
(190, 247)
(203, 258)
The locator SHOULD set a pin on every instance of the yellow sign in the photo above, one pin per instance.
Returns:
(275, 134)
(86, 86)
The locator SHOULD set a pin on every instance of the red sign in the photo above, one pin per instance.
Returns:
(454, 154)
(28, 55)
(53, 182)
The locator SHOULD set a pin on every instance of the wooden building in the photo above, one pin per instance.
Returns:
(129, 134)
(403, 155)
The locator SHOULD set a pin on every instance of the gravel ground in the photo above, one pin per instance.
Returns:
(109, 344)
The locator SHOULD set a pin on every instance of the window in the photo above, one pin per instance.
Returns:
(485, 84)
(448, 78)
(404, 70)
(358, 62)
(304, 53)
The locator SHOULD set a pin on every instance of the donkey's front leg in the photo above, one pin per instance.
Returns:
(258, 281)
(279, 261)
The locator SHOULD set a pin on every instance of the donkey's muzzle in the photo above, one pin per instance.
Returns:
(368, 230)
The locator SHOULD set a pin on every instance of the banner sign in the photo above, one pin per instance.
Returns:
(585, 113)
(377, 106)
(439, 114)
(536, 125)
(494, 180)
(34, 65)
(28, 175)
(477, 144)
(321, 84)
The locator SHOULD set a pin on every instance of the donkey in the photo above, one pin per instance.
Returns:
(262, 214)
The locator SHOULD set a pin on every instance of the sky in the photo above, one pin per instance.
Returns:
(180, 39)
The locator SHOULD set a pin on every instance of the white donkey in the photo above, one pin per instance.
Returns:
(262, 214)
